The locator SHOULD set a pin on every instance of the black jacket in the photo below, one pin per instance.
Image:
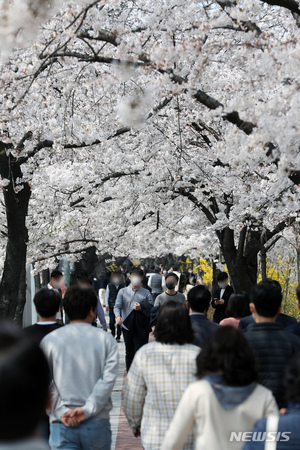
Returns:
(283, 319)
(273, 348)
(220, 313)
(138, 322)
(202, 328)
(113, 292)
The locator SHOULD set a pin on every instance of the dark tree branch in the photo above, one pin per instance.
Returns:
(291, 5)
(102, 35)
(232, 117)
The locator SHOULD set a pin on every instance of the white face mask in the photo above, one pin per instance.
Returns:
(136, 281)
(222, 284)
(164, 271)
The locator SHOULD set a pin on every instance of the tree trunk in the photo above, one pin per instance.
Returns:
(242, 261)
(13, 283)
(263, 262)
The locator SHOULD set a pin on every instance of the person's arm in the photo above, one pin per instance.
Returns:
(157, 301)
(101, 391)
(259, 427)
(100, 314)
(270, 406)
(182, 423)
(135, 393)
(118, 304)
(149, 299)
(149, 282)
(107, 297)
(163, 282)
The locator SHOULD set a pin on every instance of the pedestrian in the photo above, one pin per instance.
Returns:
(286, 425)
(237, 309)
(221, 297)
(83, 363)
(184, 285)
(56, 283)
(156, 282)
(272, 346)
(86, 283)
(226, 398)
(198, 303)
(47, 303)
(159, 374)
(112, 290)
(283, 319)
(133, 305)
(170, 294)
(101, 286)
(24, 390)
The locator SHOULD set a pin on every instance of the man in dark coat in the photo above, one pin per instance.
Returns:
(284, 320)
(221, 297)
(198, 301)
(272, 346)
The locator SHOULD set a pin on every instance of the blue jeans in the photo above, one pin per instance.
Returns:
(92, 434)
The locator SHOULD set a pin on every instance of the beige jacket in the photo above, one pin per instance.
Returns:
(200, 408)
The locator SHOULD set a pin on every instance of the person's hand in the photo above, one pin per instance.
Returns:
(73, 417)
(137, 433)
(221, 302)
(119, 320)
(137, 307)
(283, 411)
(107, 308)
(216, 301)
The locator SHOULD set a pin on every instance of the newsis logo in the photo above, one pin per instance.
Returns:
(260, 436)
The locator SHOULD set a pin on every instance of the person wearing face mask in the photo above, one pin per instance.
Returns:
(132, 310)
(55, 283)
(112, 290)
(171, 293)
(221, 297)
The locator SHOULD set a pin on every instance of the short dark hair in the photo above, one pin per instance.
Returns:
(56, 274)
(81, 274)
(222, 276)
(157, 269)
(173, 324)
(171, 274)
(267, 298)
(78, 302)
(137, 270)
(292, 379)
(85, 280)
(238, 305)
(199, 298)
(47, 302)
(24, 381)
(228, 351)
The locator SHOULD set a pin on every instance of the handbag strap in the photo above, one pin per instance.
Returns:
(272, 426)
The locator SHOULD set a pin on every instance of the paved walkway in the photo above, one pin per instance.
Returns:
(122, 436)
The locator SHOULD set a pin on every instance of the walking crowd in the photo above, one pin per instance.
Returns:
(192, 383)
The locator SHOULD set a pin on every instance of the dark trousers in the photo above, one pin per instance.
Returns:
(133, 342)
(112, 324)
